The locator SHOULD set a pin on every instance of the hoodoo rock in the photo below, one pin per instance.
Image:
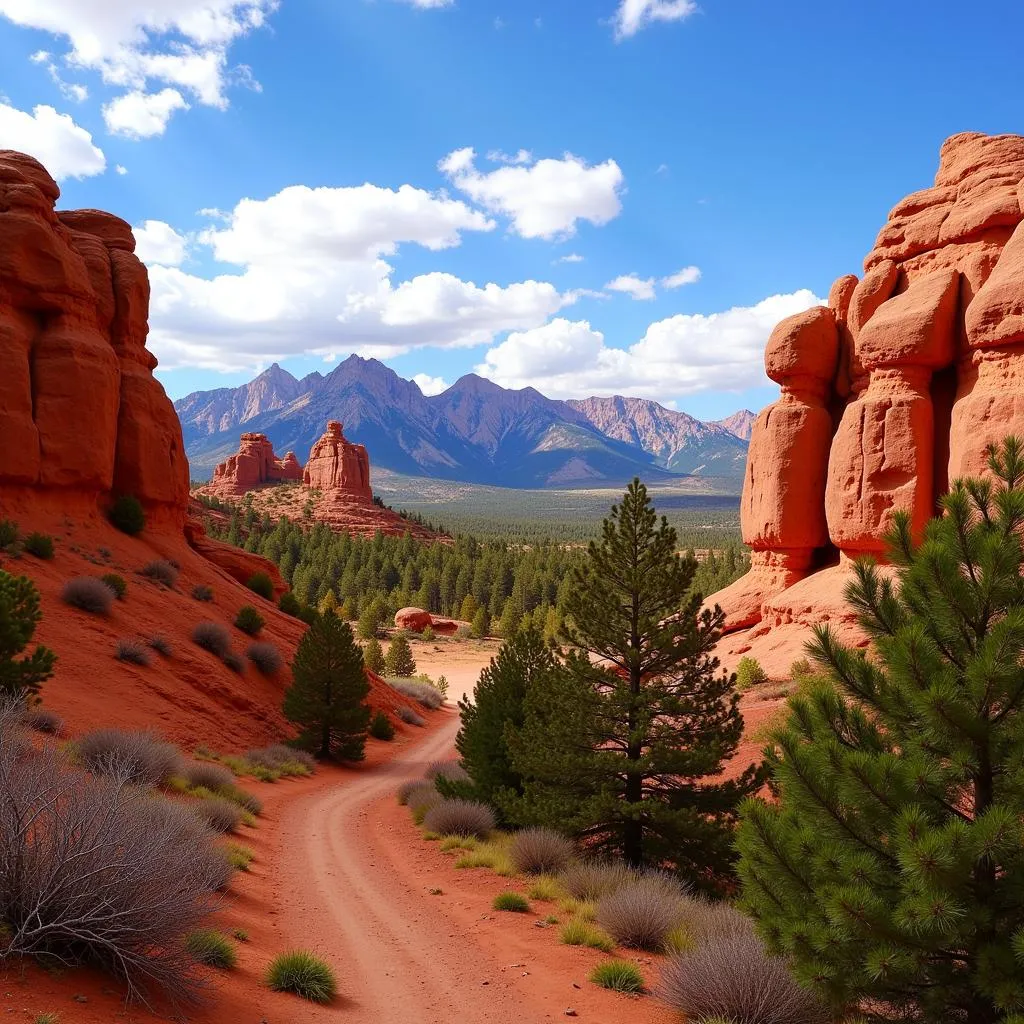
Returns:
(888, 393)
(254, 465)
(335, 464)
(82, 417)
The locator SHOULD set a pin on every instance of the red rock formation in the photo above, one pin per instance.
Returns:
(239, 564)
(254, 465)
(416, 620)
(81, 415)
(930, 370)
(335, 464)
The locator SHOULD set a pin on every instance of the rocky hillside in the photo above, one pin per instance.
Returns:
(476, 431)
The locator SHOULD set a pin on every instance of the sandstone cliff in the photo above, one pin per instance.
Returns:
(254, 465)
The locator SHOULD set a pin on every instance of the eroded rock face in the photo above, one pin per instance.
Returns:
(254, 465)
(335, 464)
(892, 390)
(81, 415)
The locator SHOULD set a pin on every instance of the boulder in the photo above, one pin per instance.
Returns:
(413, 619)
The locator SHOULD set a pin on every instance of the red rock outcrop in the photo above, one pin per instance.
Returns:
(889, 392)
(335, 464)
(82, 417)
(254, 465)
(416, 620)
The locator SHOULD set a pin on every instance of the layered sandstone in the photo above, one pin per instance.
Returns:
(253, 465)
(337, 465)
(888, 393)
(82, 417)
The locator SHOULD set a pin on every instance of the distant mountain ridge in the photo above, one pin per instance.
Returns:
(476, 431)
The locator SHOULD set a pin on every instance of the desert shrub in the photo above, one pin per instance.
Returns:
(464, 632)
(133, 651)
(406, 790)
(450, 770)
(141, 758)
(441, 685)
(88, 594)
(40, 545)
(289, 604)
(303, 974)
(545, 888)
(460, 818)
(749, 673)
(283, 759)
(641, 913)
(733, 977)
(161, 645)
(513, 902)
(421, 801)
(97, 872)
(43, 720)
(240, 857)
(381, 727)
(221, 814)
(234, 661)
(594, 879)
(161, 571)
(492, 854)
(249, 802)
(21, 678)
(128, 515)
(212, 637)
(9, 533)
(800, 668)
(399, 660)
(704, 920)
(619, 976)
(118, 584)
(262, 585)
(423, 693)
(211, 948)
(202, 592)
(209, 775)
(428, 634)
(249, 620)
(538, 851)
(582, 933)
(409, 716)
(266, 657)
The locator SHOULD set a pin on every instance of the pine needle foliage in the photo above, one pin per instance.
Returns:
(21, 677)
(622, 745)
(890, 868)
(328, 690)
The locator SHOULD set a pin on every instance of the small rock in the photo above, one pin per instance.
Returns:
(81, 999)
(570, 1012)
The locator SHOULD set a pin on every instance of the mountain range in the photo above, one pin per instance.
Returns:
(474, 432)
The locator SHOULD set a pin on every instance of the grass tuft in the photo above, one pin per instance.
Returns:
(514, 902)
(546, 888)
(304, 975)
(619, 976)
(578, 932)
(211, 948)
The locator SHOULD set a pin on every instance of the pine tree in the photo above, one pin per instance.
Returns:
(399, 661)
(373, 656)
(328, 689)
(625, 752)
(481, 623)
(497, 707)
(370, 620)
(21, 678)
(328, 604)
(891, 866)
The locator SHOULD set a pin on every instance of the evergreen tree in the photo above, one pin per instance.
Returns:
(373, 656)
(328, 689)
(399, 661)
(625, 752)
(370, 620)
(328, 604)
(481, 623)
(890, 868)
(21, 678)
(468, 608)
(496, 709)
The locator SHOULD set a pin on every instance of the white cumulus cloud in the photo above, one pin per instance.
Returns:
(677, 356)
(64, 148)
(688, 275)
(633, 15)
(140, 115)
(156, 242)
(636, 287)
(543, 198)
(430, 385)
(572, 257)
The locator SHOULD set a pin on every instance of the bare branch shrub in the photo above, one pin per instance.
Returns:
(132, 651)
(266, 657)
(279, 756)
(460, 818)
(540, 851)
(43, 720)
(88, 594)
(141, 758)
(208, 775)
(161, 571)
(221, 814)
(641, 913)
(427, 695)
(594, 879)
(212, 637)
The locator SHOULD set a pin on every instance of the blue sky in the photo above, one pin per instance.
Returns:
(652, 183)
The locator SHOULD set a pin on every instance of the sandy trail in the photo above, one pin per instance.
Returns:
(399, 959)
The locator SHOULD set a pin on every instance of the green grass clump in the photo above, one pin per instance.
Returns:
(585, 910)
(118, 584)
(211, 948)
(582, 933)
(241, 934)
(261, 583)
(40, 545)
(450, 843)
(303, 974)
(514, 902)
(47, 1018)
(546, 889)
(493, 855)
(248, 620)
(239, 856)
(619, 976)
(679, 940)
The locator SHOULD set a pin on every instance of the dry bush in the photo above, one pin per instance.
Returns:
(280, 757)
(425, 694)
(409, 716)
(733, 977)
(460, 818)
(540, 851)
(95, 871)
(161, 645)
(132, 651)
(234, 661)
(641, 913)
(208, 775)
(202, 592)
(594, 879)
(450, 770)
(221, 814)
(704, 920)
(140, 758)
(266, 657)
(43, 720)
(89, 595)
(406, 790)
(161, 571)
(212, 637)
(423, 799)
